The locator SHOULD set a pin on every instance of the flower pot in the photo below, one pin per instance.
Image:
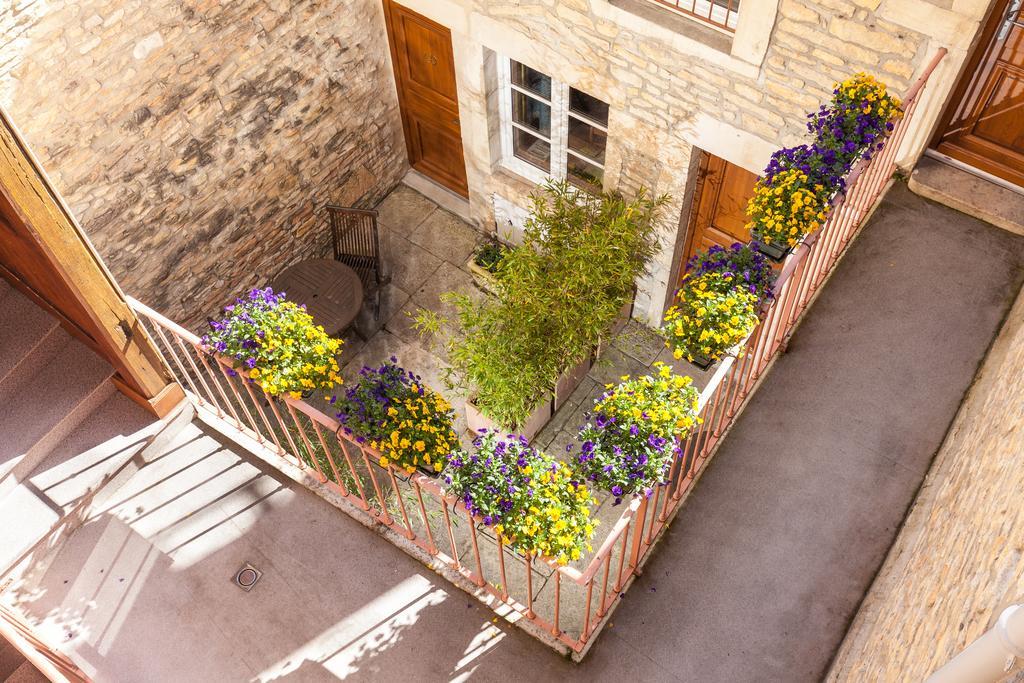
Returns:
(776, 252)
(483, 277)
(702, 362)
(571, 379)
(476, 420)
(401, 474)
(625, 313)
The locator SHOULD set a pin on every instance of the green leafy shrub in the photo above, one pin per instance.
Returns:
(558, 293)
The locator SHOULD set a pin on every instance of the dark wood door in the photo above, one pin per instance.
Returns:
(985, 125)
(720, 206)
(421, 52)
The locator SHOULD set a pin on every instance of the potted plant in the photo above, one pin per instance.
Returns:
(634, 432)
(391, 410)
(793, 197)
(743, 263)
(857, 120)
(276, 344)
(559, 291)
(786, 209)
(484, 262)
(503, 370)
(712, 316)
(533, 502)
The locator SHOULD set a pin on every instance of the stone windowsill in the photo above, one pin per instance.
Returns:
(666, 18)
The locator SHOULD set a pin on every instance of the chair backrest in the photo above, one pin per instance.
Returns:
(356, 240)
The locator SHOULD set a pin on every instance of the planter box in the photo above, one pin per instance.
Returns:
(476, 420)
(776, 252)
(481, 275)
(566, 384)
(701, 362)
(571, 379)
(625, 313)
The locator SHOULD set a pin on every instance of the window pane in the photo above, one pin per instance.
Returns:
(584, 174)
(531, 80)
(531, 113)
(587, 140)
(531, 149)
(590, 107)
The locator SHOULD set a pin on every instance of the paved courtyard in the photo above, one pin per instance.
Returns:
(756, 580)
(426, 249)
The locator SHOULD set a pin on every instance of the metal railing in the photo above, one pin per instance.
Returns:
(566, 606)
(722, 14)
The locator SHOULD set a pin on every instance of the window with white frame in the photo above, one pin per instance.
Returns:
(549, 129)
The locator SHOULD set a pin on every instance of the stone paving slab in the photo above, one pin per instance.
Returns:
(446, 236)
(404, 209)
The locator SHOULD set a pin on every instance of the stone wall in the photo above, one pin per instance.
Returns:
(665, 100)
(959, 560)
(193, 140)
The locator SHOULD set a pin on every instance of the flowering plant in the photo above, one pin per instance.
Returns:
(408, 423)
(490, 481)
(861, 113)
(822, 163)
(787, 208)
(635, 431)
(277, 342)
(534, 503)
(741, 265)
(712, 317)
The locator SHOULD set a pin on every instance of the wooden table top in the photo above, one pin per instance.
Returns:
(330, 290)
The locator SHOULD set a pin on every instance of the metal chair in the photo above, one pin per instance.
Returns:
(356, 243)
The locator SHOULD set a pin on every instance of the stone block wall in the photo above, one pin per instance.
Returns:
(195, 140)
(666, 101)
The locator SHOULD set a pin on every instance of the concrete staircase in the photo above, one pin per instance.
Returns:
(63, 428)
(65, 433)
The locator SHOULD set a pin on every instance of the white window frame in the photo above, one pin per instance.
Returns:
(559, 140)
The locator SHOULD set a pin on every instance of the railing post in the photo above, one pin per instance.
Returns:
(989, 658)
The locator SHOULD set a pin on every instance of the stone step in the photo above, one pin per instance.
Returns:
(93, 453)
(26, 673)
(969, 193)
(10, 657)
(44, 408)
(24, 331)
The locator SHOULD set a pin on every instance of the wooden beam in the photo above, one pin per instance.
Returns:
(96, 305)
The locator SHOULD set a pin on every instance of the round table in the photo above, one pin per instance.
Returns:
(331, 291)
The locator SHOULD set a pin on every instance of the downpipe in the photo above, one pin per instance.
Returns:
(989, 658)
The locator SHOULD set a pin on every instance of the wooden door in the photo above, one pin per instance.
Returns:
(421, 51)
(985, 125)
(720, 201)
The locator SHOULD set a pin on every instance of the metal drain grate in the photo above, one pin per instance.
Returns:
(247, 576)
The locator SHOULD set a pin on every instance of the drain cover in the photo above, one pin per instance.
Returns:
(247, 577)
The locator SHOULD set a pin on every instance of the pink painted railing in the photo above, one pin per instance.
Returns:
(566, 606)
